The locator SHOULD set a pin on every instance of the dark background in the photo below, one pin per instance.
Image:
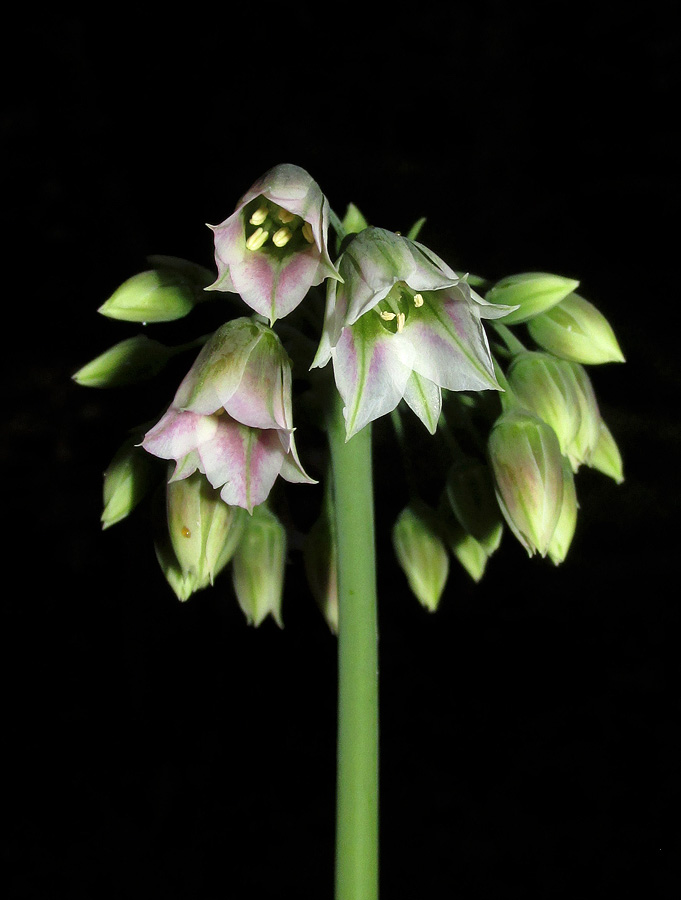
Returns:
(531, 730)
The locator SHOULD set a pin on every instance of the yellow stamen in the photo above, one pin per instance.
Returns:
(285, 216)
(418, 300)
(259, 215)
(257, 239)
(307, 232)
(400, 322)
(386, 316)
(282, 237)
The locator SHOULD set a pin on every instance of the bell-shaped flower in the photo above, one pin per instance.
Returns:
(231, 416)
(402, 325)
(273, 248)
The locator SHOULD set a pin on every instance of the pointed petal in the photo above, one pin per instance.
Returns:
(177, 433)
(424, 397)
(450, 343)
(370, 375)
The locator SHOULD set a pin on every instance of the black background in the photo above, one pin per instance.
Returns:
(531, 730)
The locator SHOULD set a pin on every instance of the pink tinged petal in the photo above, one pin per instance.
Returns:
(292, 469)
(370, 376)
(178, 432)
(424, 397)
(219, 368)
(230, 249)
(450, 344)
(243, 461)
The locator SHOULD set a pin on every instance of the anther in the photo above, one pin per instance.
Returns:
(418, 300)
(386, 316)
(400, 322)
(282, 237)
(307, 232)
(257, 239)
(284, 215)
(259, 215)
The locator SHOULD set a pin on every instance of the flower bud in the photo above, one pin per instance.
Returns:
(526, 462)
(585, 440)
(162, 294)
(421, 553)
(258, 567)
(126, 481)
(546, 386)
(531, 292)
(605, 456)
(567, 520)
(574, 329)
(470, 492)
(469, 552)
(134, 359)
(321, 568)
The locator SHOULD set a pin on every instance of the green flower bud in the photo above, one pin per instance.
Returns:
(605, 456)
(546, 386)
(567, 520)
(126, 481)
(574, 329)
(469, 552)
(585, 440)
(421, 553)
(258, 567)
(526, 463)
(531, 292)
(353, 220)
(321, 568)
(134, 359)
(162, 294)
(204, 530)
(470, 492)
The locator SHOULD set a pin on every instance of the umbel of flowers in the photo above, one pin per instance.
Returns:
(494, 373)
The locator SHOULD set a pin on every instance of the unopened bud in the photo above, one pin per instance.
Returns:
(526, 462)
(421, 554)
(531, 292)
(127, 480)
(588, 433)
(258, 567)
(567, 520)
(546, 386)
(574, 329)
(606, 457)
(321, 568)
(470, 492)
(134, 359)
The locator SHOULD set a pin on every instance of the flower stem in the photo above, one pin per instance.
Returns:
(357, 763)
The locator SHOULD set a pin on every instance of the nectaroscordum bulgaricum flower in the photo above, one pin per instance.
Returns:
(400, 324)
(231, 416)
(272, 249)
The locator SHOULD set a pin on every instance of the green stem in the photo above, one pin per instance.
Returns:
(357, 764)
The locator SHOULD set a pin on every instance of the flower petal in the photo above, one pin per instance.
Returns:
(424, 397)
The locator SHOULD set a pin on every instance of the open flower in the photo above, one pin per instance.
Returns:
(402, 325)
(231, 416)
(272, 249)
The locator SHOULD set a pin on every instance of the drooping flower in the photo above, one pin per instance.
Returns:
(402, 325)
(272, 249)
(231, 416)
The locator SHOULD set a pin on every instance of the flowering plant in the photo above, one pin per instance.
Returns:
(386, 327)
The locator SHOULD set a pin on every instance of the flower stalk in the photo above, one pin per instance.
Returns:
(357, 762)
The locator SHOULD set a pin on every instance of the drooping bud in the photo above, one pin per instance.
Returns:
(567, 520)
(421, 553)
(167, 292)
(575, 329)
(605, 456)
(531, 292)
(204, 530)
(547, 387)
(258, 567)
(128, 362)
(585, 440)
(127, 480)
(526, 462)
(321, 568)
(470, 492)
(469, 552)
